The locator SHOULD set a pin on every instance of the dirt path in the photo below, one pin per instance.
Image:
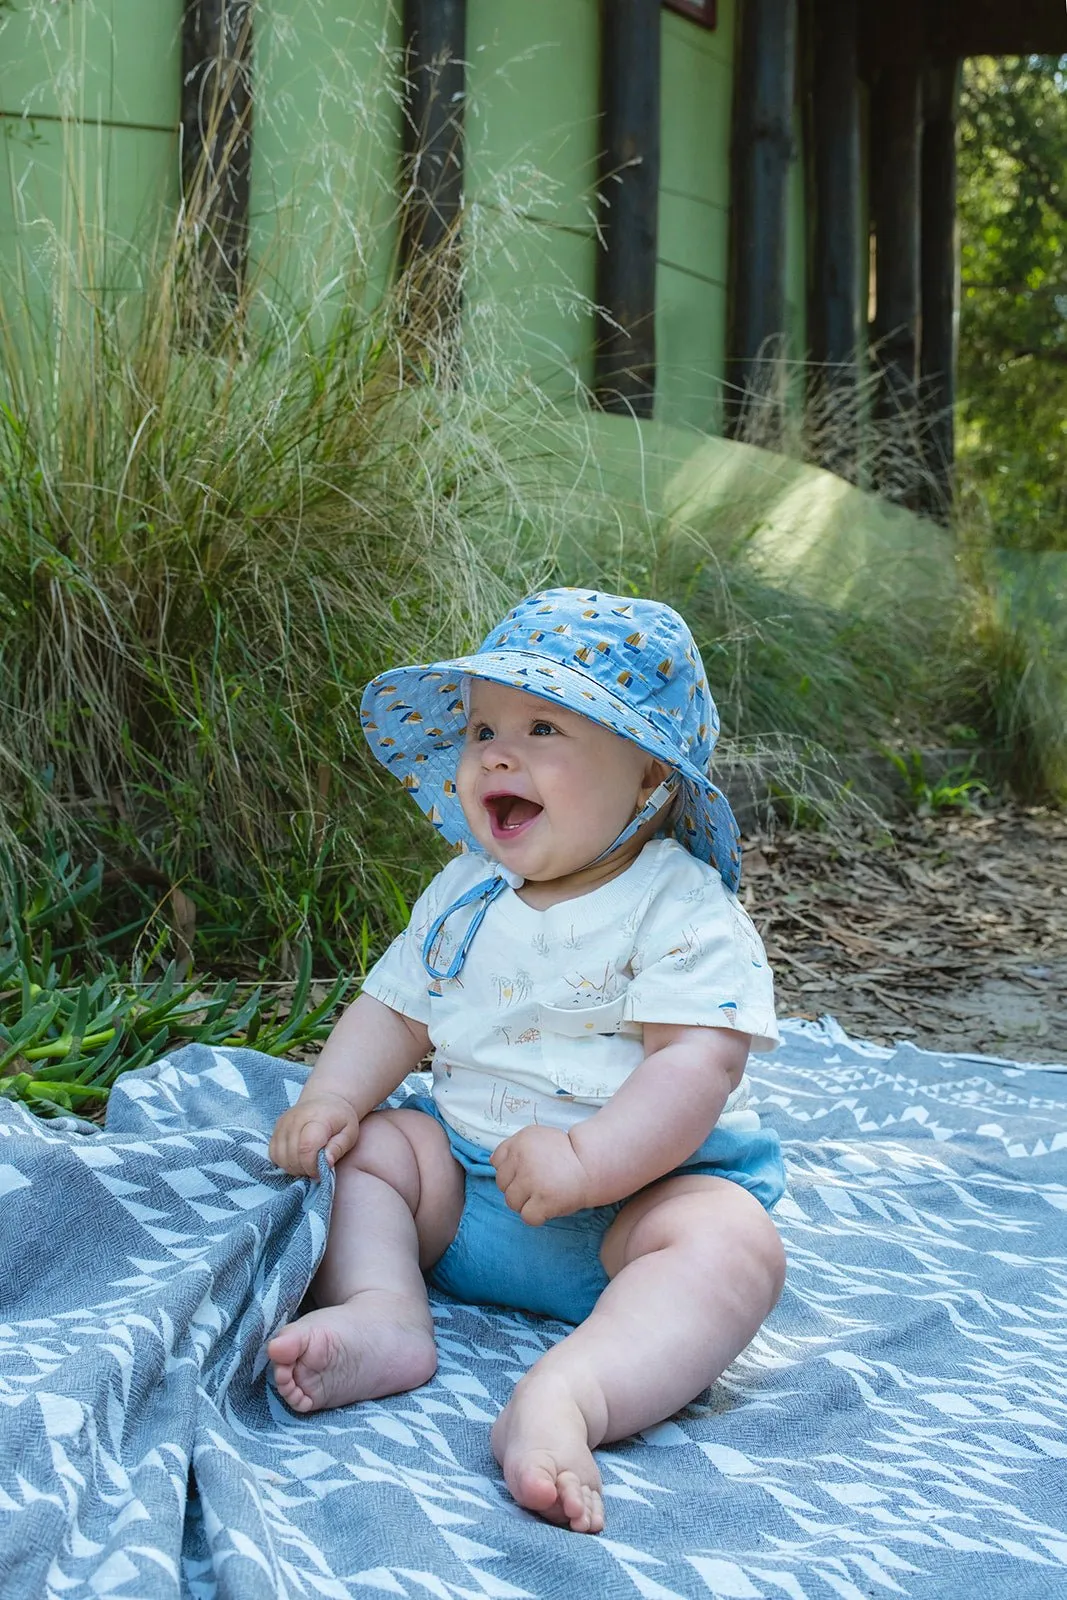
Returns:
(952, 934)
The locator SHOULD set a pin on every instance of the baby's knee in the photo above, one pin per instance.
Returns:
(720, 1232)
(771, 1254)
(758, 1253)
(380, 1151)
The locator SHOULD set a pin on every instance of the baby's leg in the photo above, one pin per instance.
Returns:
(396, 1208)
(695, 1264)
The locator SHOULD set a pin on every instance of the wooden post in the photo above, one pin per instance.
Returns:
(940, 277)
(896, 124)
(216, 132)
(625, 362)
(762, 150)
(834, 199)
(435, 37)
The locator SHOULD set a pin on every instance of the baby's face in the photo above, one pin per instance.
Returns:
(544, 790)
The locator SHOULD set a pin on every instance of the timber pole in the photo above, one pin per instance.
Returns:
(834, 177)
(940, 278)
(625, 360)
(761, 154)
(896, 133)
(216, 134)
(435, 40)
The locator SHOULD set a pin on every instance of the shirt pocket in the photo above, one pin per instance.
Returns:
(579, 1022)
(581, 1052)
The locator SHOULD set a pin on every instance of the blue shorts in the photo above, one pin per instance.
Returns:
(497, 1259)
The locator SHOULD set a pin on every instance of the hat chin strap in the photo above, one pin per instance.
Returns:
(482, 895)
(655, 803)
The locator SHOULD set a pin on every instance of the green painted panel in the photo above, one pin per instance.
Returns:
(690, 349)
(697, 96)
(532, 107)
(326, 145)
(694, 237)
(694, 219)
(101, 60)
(804, 528)
(144, 185)
(54, 178)
(529, 308)
(148, 61)
(72, 79)
(531, 150)
(103, 191)
(57, 60)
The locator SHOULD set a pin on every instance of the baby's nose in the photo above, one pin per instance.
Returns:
(497, 753)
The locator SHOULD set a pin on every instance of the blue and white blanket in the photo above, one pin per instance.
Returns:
(898, 1428)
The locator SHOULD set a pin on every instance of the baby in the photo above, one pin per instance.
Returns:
(590, 989)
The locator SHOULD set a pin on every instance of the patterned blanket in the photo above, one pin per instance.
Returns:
(899, 1427)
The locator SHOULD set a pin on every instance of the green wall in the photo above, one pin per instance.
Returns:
(531, 152)
(326, 146)
(326, 151)
(531, 157)
(90, 101)
(694, 218)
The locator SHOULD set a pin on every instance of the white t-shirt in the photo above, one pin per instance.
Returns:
(543, 1022)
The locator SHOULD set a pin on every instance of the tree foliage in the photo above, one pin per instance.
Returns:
(1013, 335)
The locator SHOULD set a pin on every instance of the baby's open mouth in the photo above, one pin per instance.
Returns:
(510, 812)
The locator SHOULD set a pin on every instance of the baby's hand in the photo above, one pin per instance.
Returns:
(317, 1122)
(540, 1175)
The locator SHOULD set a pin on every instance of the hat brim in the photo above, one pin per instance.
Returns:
(414, 720)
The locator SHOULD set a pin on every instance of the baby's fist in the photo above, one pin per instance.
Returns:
(317, 1122)
(540, 1175)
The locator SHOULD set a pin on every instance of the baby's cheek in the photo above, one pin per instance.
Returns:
(465, 790)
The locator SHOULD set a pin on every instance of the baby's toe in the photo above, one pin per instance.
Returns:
(577, 1501)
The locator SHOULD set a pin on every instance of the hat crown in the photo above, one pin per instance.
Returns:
(639, 651)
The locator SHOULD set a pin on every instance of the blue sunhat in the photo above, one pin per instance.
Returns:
(630, 665)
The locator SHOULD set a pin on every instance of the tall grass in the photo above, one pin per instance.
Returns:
(842, 417)
(219, 519)
(206, 552)
(991, 668)
(205, 555)
(1010, 660)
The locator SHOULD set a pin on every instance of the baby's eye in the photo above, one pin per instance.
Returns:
(482, 733)
(541, 728)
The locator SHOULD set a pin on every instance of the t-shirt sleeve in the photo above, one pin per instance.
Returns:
(698, 961)
(399, 979)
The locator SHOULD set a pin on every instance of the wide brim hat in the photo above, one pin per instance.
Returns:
(629, 665)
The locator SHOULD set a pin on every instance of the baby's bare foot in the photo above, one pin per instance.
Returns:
(375, 1344)
(542, 1443)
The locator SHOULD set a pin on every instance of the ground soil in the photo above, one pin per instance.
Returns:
(950, 932)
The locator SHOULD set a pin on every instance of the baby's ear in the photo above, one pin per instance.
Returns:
(655, 773)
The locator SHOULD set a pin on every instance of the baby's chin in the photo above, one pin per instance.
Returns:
(564, 869)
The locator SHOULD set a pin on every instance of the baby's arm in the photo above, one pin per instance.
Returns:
(369, 1054)
(663, 1112)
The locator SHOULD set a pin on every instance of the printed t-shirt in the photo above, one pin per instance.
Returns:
(543, 1022)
